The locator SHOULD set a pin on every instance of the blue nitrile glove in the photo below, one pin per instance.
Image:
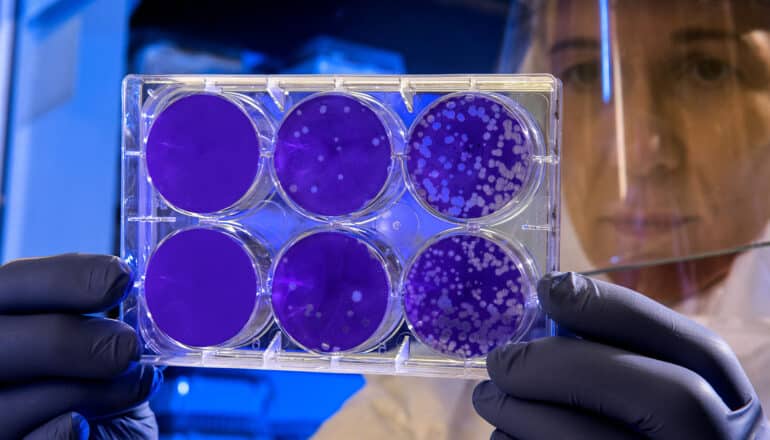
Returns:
(636, 370)
(63, 374)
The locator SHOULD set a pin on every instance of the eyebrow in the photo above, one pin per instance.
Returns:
(691, 35)
(683, 36)
(574, 43)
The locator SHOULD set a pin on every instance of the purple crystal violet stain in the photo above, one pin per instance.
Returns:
(332, 155)
(468, 155)
(202, 153)
(330, 292)
(201, 287)
(463, 296)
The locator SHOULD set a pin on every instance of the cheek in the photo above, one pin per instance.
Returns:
(729, 151)
(751, 178)
(589, 171)
(758, 144)
(582, 160)
(729, 170)
(578, 169)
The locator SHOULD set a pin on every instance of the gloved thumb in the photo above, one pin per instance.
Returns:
(68, 426)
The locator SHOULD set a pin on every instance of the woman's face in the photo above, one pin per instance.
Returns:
(669, 154)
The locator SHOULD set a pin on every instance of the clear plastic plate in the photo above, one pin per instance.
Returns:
(362, 224)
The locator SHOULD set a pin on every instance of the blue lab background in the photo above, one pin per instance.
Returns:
(61, 64)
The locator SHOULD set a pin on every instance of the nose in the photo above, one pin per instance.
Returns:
(653, 148)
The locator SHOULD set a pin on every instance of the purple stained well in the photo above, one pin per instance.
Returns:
(332, 155)
(203, 153)
(468, 155)
(201, 287)
(330, 292)
(464, 296)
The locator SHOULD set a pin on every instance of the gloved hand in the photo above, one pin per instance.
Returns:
(635, 369)
(61, 371)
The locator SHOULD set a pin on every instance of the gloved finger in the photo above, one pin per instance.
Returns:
(657, 398)
(623, 318)
(64, 346)
(24, 407)
(530, 420)
(68, 426)
(75, 283)
(762, 431)
(137, 423)
(500, 435)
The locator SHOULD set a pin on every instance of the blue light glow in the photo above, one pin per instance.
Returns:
(605, 46)
(182, 386)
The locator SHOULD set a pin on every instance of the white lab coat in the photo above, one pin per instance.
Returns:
(390, 408)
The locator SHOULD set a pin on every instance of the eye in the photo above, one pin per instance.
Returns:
(708, 72)
(583, 75)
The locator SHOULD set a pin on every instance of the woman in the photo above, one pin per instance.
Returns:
(665, 170)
